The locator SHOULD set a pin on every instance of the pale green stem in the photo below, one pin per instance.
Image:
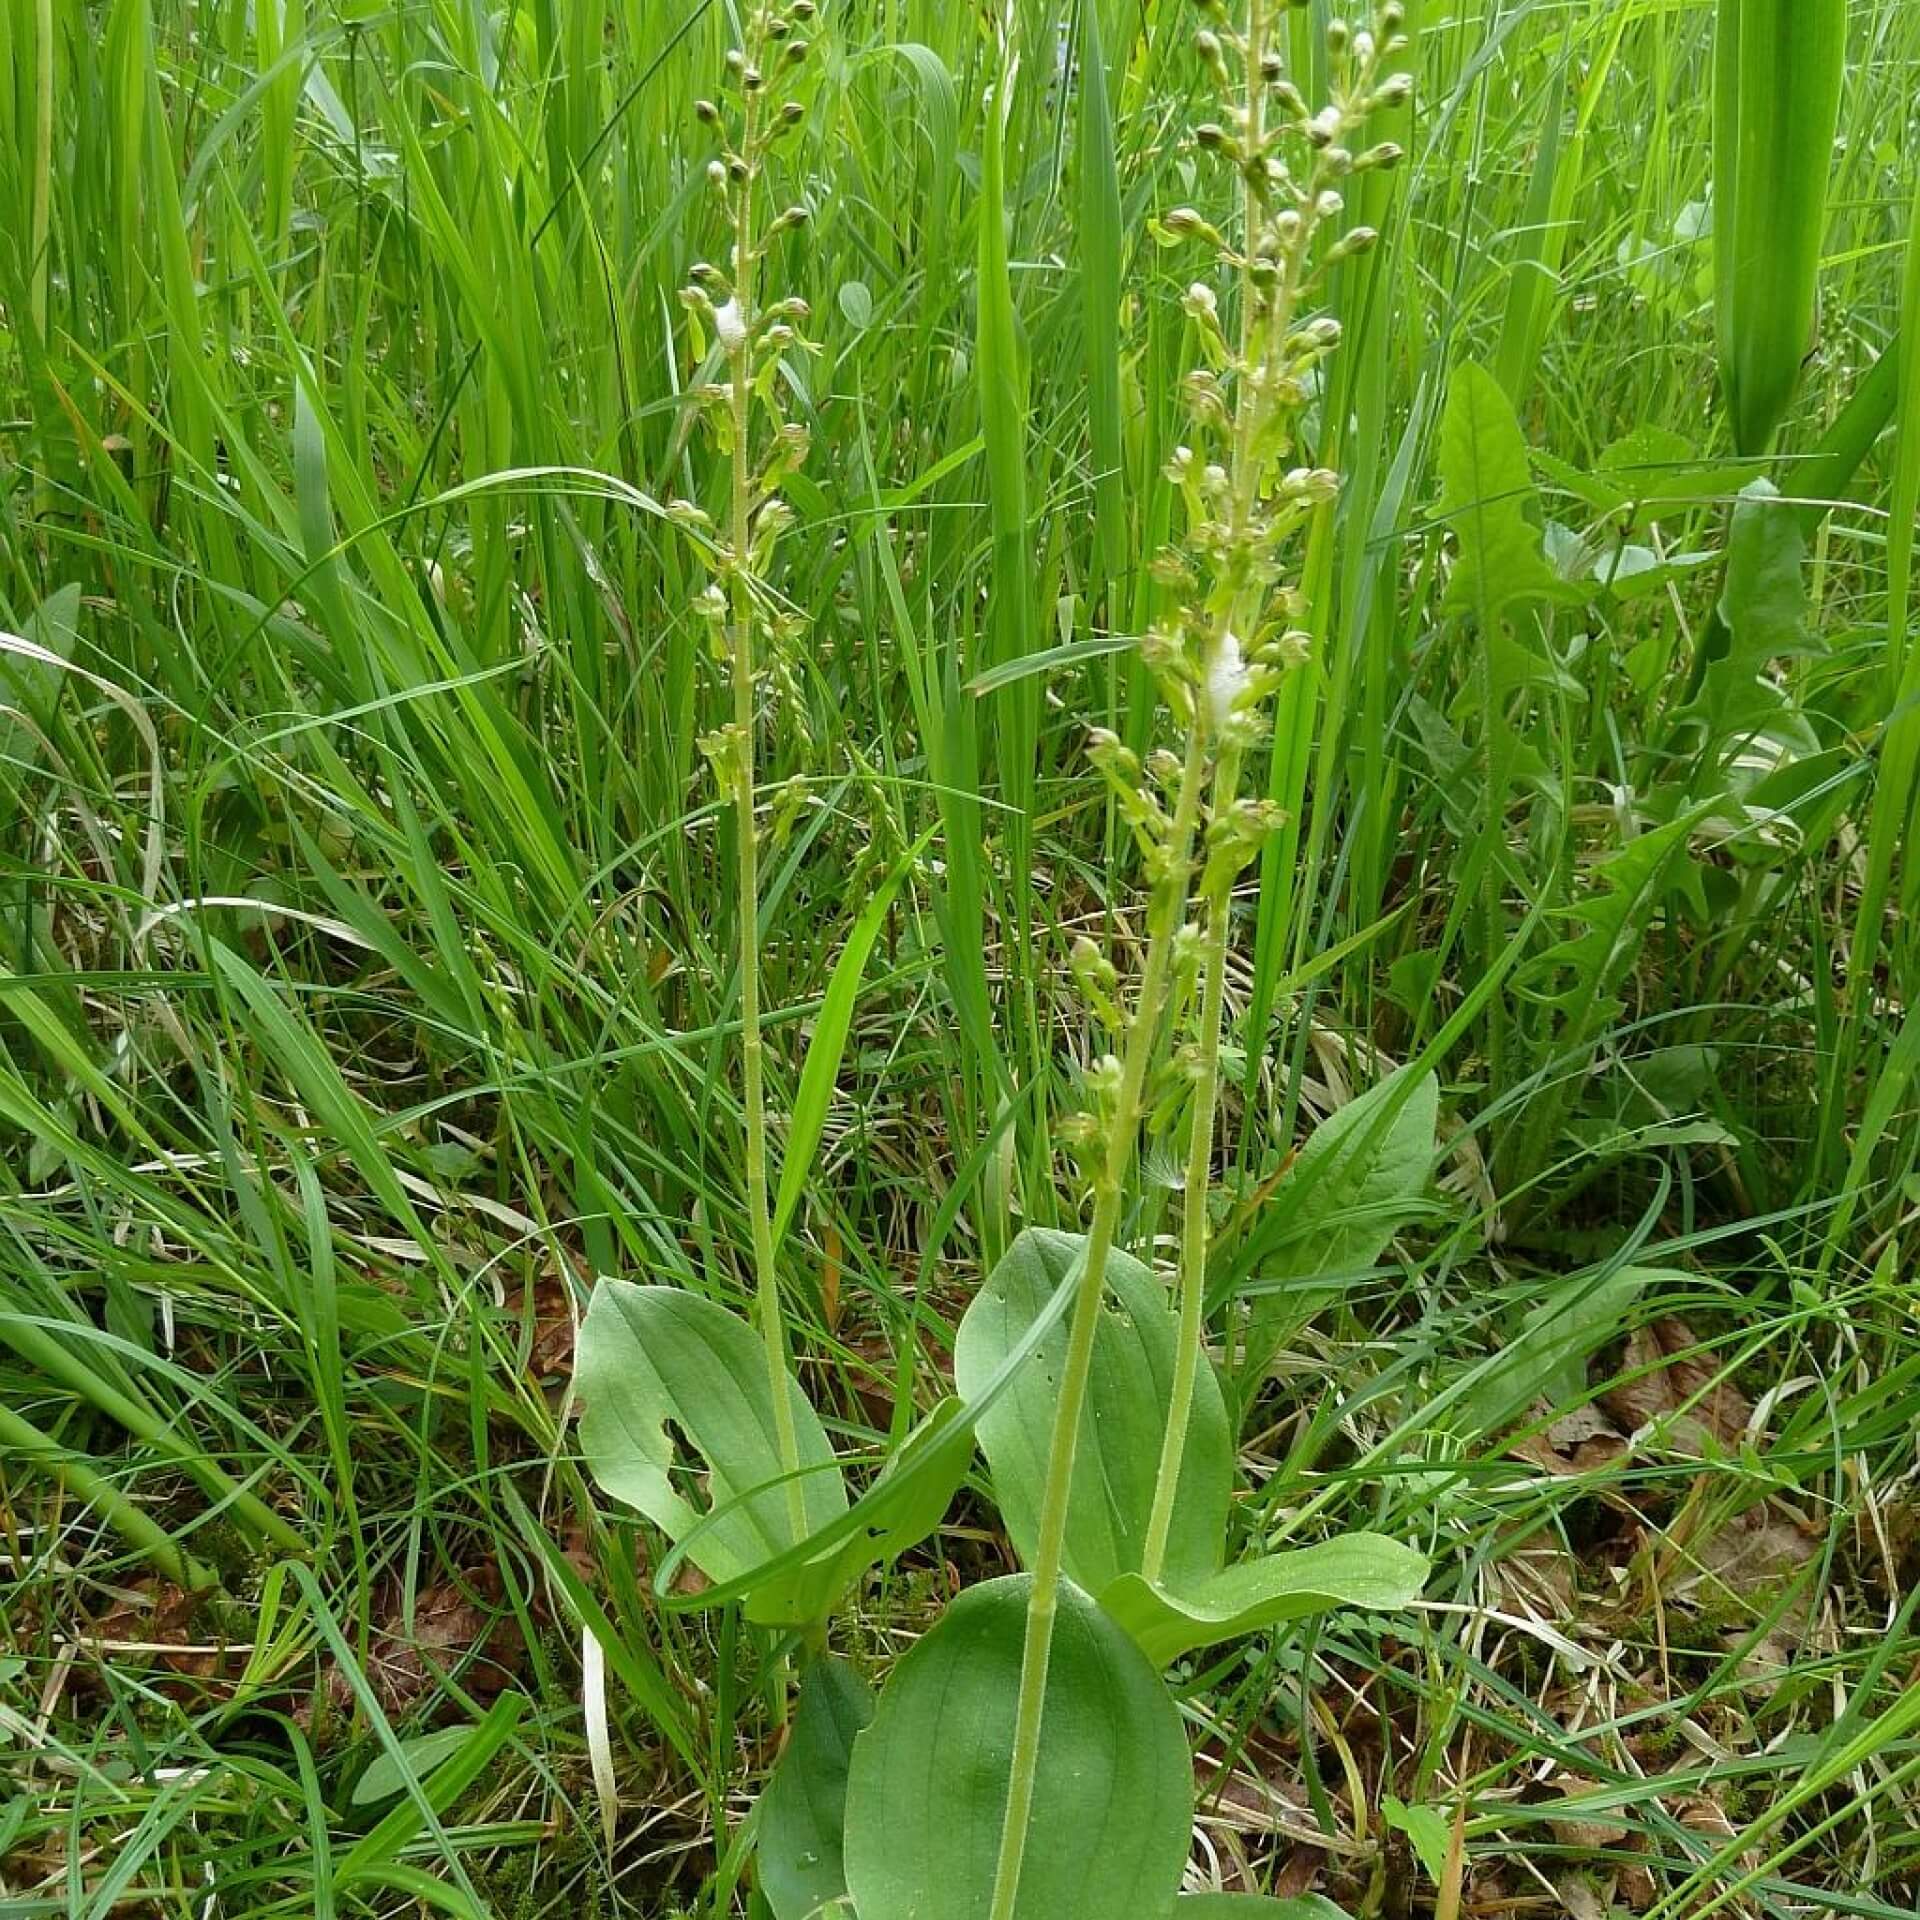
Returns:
(1164, 915)
(1194, 1224)
(773, 1330)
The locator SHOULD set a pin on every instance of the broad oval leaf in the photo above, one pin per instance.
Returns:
(1364, 1570)
(803, 1812)
(1128, 1391)
(654, 1356)
(1113, 1801)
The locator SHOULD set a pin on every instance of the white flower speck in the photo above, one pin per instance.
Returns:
(1226, 679)
(731, 325)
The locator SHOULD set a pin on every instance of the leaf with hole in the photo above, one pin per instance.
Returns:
(782, 1581)
(926, 1798)
(655, 1358)
(905, 1503)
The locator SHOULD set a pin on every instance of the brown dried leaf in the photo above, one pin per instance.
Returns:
(1584, 1830)
(1582, 1440)
(1757, 1553)
(153, 1621)
(1580, 1898)
(1540, 1577)
(1683, 1390)
(449, 1625)
(1299, 1873)
(551, 1352)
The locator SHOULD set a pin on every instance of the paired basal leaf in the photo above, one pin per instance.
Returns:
(1113, 1798)
(658, 1366)
(1192, 1602)
(1363, 1570)
(1128, 1393)
(803, 1812)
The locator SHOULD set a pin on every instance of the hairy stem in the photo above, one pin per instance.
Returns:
(773, 1331)
(1192, 1278)
(1194, 1224)
(1164, 915)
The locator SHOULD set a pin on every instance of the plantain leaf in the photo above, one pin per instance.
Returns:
(1112, 1804)
(29, 683)
(1486, 488)
(1128, 1391)
(386, 1773)
(1764, 610)
(650, 1356)
(803, 1813)
(1359, 1179)
(1547, 1357)
(1779, 67)
(1357, 1570)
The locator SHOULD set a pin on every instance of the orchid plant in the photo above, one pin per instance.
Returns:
(1025, 1758)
